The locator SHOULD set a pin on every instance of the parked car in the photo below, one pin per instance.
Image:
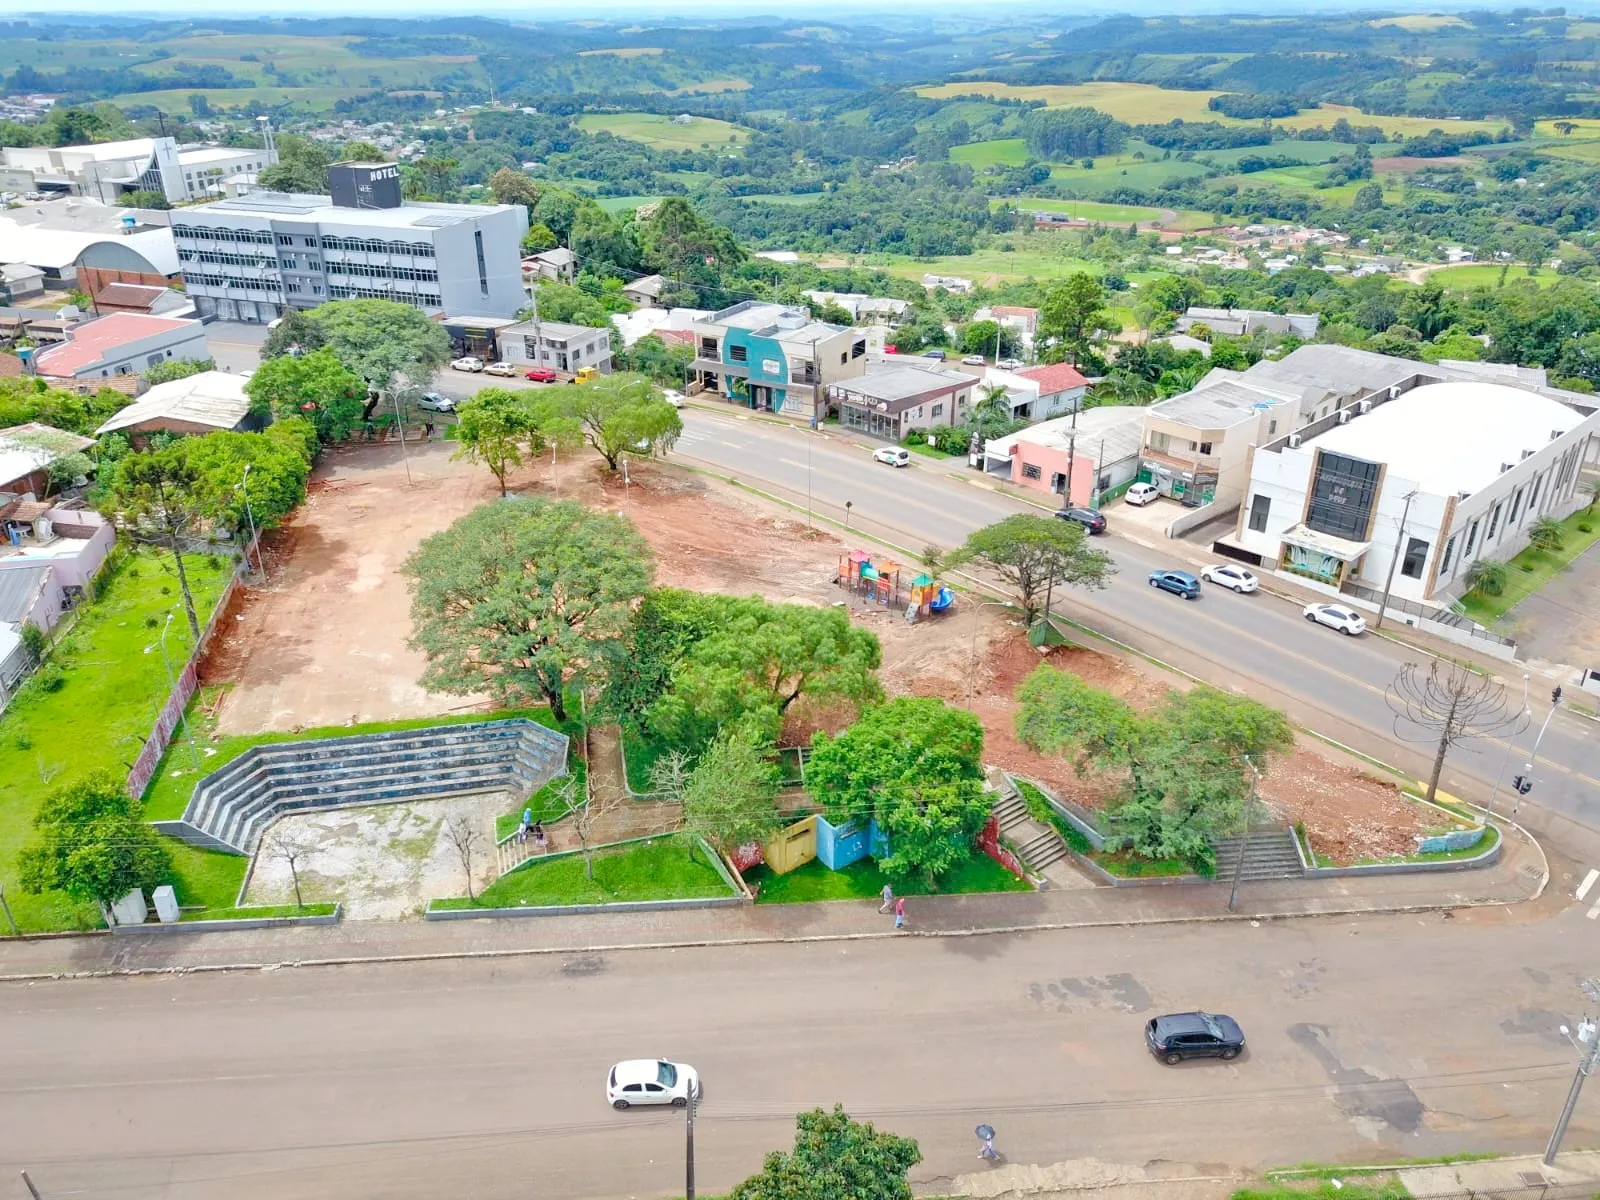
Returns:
(586, 375)
(1178, 1036)
(435, 402)
(936, 355)
(973, 360)
(673, 397)
(1179, 583)
(1009, 364)
(540, 375)
(895, 456)
(1091, 521)
(503, 369)
(469, 363)
(1336, 616)
(651, 1081)
(1231, 575)
(1141, 494)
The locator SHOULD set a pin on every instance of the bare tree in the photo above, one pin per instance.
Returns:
(1447, 705)
(467, 838)
(290, 850)
(584, 811)
(670, 773)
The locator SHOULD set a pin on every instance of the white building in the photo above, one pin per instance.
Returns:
(1430, 481)
(556, 345)
(215, 171)
(107, 171)
(121, 344)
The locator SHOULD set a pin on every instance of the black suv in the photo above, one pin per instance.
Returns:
(1178, 1036)
(1091, 521)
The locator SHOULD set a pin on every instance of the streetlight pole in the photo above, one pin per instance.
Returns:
(688, 1162)
(808, 484)
(1249, 805)
(244, 487)
(1589, 1056)
(1394, 559)
(400, 425)
(1523, 784)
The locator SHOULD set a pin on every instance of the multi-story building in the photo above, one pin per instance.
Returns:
(557, 345)
(107, 171)
(775, 358)
(252, 257)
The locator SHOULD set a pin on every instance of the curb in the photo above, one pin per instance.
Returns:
(716, 943)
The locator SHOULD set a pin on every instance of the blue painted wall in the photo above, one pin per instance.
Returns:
(759, 350)
(840, 845)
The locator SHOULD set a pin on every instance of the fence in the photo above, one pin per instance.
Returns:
(1441, 621)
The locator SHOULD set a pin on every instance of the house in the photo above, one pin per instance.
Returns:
(1182, 341)
(121, 344)
(26, 452)
(881, 310)
(645, 291)
(666, 323)
(107, 171)
(1241, 322)
(1408, 491)
(1024, 320)
(1078, 457)
(557, 265)
(1036, 393)
(30, 595)
(73, 542)
(556, 345)
(142, 298)
(1196, 445)
(682, 119)
(198, 404)
(476, 336)
(899, 396)
(67, 239)
(774, 357)
(21, 280)
(954, 284)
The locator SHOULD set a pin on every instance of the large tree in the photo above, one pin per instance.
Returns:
(835, 1158)
(379, 340)
(620, 414)
(509, 186)
(915, 766)
(316, 386)
(91, 841)
(523, 597)
(1073, 313)
(177, 368)
(729, 797)
(279, 465)
(160, 497)
(296, 332)
(1033, 554)
(497, 427)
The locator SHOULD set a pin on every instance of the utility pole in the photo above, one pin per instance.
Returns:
(1588, 1057)
(1249, 805)
(688, 1162)
(32, 1191)
(172, 689)
(400, 426)
(10, 920)
(255, 538)
(1394, 561)
(1523, 784)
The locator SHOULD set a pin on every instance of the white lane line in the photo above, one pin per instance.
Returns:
(1588, 882)
(1593, 911)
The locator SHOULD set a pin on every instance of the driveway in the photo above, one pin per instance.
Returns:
(1557, 623)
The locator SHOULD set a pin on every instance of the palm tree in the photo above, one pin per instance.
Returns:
(1546, 534)
(1487, 575)
(1124, 387)
(1592, 486)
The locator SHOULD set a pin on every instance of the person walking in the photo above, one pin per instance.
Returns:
(900, 912)
(888, 899)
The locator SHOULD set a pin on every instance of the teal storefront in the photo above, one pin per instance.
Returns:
(764, 385)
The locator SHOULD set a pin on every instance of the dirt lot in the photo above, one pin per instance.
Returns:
(325, 642)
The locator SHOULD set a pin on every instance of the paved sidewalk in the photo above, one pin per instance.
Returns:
(1520, 875)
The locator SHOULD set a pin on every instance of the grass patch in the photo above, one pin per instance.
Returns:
(100, 716)
(1476, 275)
(659, 132)
(1546, 564)
(254, 914)
(1084, 210)
(1323, 1189)
(864, 881)
(546, 803)
(640, 752)
(1125, 864)
(997, 152)
(664, 869)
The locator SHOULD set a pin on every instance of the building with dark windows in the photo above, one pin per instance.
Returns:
(253, 257)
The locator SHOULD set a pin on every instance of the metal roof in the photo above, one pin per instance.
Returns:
(214, 398)
(19, 591)
(1217, 406)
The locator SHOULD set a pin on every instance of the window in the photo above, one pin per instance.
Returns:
(1159, 442)
(844, 358)
(483, 270)
(316, 289)
(1533, 496)
(1494, 524)
(1343, 491)
(1205, 447)
(1272, 428)
(738, 353)
(1416, 555)
(1029, 471)
(1516, 507)
(310, 241)
(1449, 553)
(1260, 506)
(1472, 539)
(938, 410)
(153, 359)
(285, 240)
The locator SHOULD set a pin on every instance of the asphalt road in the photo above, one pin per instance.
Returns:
(1258, 643)
(486, 1078)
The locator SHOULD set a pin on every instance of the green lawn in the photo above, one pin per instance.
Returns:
(270, 910)
(1490, 838)
(99, 719)
(656, 870)
(657, 130)
(320, 99)
(1123, 170)
(999, 152)
(863, 881)
(547, 804)
(620, 204)
(1086, 210)
(1476, 275)
(1541, 566)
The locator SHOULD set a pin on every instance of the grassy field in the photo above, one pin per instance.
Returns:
(1037, 256)
(619, 204)
(263, 911)
(659, 133)
(624, 52)
(863, 881)
(320, 99)
(1531, 569)
(1086, 210)
(1588, 127)
(1582, 151)
(1419, 22)
(708, 87)
(99, 719)
(549, 802)
(789, 198)
(658, 870)
(1001, 152)
(1123, 170)
(1475, 275)
(1306, 152)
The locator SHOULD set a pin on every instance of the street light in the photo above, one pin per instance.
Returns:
(974, 652)
(244, 489)
(1488, 812)
(1523, 784)
(1244, 842)
(172, 688)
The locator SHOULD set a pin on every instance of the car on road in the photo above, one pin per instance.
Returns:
(435, 402)
(640, 1081)
(469, 363)
(973, 360)
(503, 369)
(1091, 521)
(1141, 494)
(936, 355)
(673, 397)
(540, 375)
(1009, 364)
(895, 456)
(1232, 576)
(1179, 583)
(1337, 616)
(1178, 1036)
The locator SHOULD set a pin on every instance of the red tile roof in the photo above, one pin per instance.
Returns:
(90, 341)
(1013, 310)
(1057, 377)
(129, 295)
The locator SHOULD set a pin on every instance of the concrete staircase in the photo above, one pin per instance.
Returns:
(1038, 846)
(234, 805)
(1270, 854)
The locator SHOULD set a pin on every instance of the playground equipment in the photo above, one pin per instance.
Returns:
(878, 582)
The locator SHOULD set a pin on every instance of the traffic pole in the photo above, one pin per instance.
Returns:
(688, 1184)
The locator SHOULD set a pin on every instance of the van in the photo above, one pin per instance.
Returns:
(1141, 494)
(586, 375)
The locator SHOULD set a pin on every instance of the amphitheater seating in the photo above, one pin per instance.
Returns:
(234, 805)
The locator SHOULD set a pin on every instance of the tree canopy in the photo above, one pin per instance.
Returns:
(497, 427)
(835, 1158)
(316, 386)
(619, 414)
(729, 797)
(1032, 553)
(377, 340)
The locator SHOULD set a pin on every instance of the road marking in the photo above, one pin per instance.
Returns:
(1588, 882)
(1593, 911)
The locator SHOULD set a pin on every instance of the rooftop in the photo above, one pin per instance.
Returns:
(1056, 377)
(1105, 435)
(1452, 437)
(19, 591)
(214, 398)
(1215, 406)
(558, 330)
(412, 214)
(1341, 370)
(88, 343)
(51, 247)
(902, 384)
(210, 154)
(25, 449)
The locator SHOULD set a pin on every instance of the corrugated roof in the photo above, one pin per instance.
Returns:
(903, 385)
(1106, 434)
(214, 398)
(1217, 406)
(88, 343)
(19, 591)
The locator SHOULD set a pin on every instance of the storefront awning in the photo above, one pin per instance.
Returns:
(720, 368)
(1325, 543)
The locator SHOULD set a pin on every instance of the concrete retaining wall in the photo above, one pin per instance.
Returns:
(569, 910)
(1487, 859)
(332, 918)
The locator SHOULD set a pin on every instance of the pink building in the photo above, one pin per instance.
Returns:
(1078, 459)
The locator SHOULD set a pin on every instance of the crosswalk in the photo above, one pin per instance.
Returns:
(1585, 888)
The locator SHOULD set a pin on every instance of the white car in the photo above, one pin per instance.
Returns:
(895, 456)
(504, 369)
(673, 397)
(467, 364)
(651, 1081)
(1336, 616)
(434, 402)
(1141, 494)
(1231, 575)
(973, 360)
(1009, 364)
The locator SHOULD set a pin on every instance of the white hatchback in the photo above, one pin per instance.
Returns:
(673, 397)
(467, 364)
(1141, 494)
(1336, 616)
(895, 456)
(641, 1081)
(1230, 575)
(504, 369)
